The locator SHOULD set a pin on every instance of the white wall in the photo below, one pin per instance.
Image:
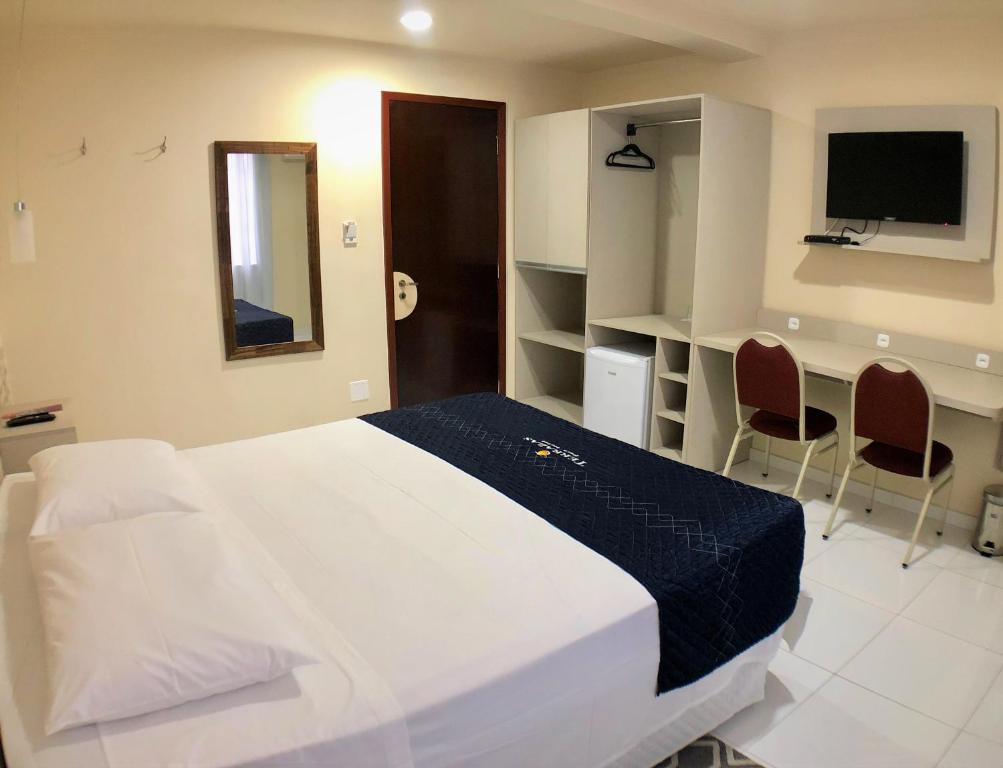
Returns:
(942, 62)
(121, 310)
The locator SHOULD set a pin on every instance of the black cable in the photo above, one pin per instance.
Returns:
(854, 231)
(874, 235)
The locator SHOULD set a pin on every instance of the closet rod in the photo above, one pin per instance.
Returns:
(632, 127)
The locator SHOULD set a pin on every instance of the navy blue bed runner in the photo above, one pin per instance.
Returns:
(721, 559)
(257, 325)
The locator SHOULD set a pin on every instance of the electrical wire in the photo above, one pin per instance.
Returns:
(874, 235)
(17, 101)
(834, 225)
(854, 231)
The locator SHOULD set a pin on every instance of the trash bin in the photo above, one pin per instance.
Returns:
(988, 540)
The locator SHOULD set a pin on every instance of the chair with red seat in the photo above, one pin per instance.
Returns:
(894, 410)
(769, 378)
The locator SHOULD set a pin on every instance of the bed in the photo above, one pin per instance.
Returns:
(464, 629)
(257, 325)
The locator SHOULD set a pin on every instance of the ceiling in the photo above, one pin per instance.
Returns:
(778, 17)
(580, 35)
(499, 29)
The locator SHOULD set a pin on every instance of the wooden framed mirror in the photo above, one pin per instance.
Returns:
(269, 247)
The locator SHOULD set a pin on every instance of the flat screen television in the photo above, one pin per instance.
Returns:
(914, 176)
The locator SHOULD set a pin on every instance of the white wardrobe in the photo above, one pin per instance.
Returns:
(611, 255)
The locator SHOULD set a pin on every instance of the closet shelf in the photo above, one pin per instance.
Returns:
(672, 414)
(677, 376)
(570, 340)
(660, 326)
(551, 267)
(568, 407)
(670, 453)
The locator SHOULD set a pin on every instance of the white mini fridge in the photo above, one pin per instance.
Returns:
(618, 383)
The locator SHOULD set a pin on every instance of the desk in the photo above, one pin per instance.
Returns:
(962, 389)
(711, 404)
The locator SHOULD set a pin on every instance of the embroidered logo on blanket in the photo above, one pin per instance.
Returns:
(548, 449)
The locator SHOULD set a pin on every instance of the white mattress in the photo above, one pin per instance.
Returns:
(496, 639)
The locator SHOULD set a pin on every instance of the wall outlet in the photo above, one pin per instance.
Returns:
(884, 340)
(982, 360)
(359, 390)
(793, 323)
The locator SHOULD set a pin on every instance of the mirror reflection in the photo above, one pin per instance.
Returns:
(272, 300)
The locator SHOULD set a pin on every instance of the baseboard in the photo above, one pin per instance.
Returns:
(897, 500)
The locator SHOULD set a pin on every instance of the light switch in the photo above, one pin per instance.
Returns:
(350, 233)
(982, 360)
(884, 340)
(359, 390)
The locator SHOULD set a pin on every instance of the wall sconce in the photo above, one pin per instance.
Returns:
(21, 234)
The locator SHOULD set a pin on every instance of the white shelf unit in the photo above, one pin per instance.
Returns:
(675, 454)
(607, 255)
(671, 396)
(550, 267)
(679, 250)
(551, 230)
(682, 378)
(573, 341)
(567, 407)
(669, 400)
(677, 415)
(671, 381)
(663, 326)
(551, 190)
(550, 340)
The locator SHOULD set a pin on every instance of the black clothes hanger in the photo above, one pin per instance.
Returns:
(642, 161)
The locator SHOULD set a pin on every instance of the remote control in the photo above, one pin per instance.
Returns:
(32, 418)
(828, 239)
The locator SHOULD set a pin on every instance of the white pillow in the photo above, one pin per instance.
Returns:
(99, 482)
(150, 612)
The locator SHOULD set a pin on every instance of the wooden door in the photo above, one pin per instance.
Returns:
(444, 229)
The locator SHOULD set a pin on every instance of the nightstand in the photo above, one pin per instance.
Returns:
(18, 444)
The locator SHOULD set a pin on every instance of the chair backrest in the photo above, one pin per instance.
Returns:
(769, 376)
(894, 407)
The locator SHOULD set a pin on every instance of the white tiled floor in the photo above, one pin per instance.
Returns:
(882, 667)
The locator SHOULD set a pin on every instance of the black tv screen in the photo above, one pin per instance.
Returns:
(912, 176)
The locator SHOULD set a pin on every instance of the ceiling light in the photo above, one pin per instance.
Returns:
(417, 21)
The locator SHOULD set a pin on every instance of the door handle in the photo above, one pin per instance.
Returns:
(402, 284)
(407, 295)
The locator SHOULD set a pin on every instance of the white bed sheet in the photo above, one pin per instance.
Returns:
(504, 642)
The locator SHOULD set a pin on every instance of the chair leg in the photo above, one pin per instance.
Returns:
(947, 507)
(734, 450)
(874, 488)
(919, 524)
(769, 445)
(804, 467)
(839, 497)
(832, 473)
